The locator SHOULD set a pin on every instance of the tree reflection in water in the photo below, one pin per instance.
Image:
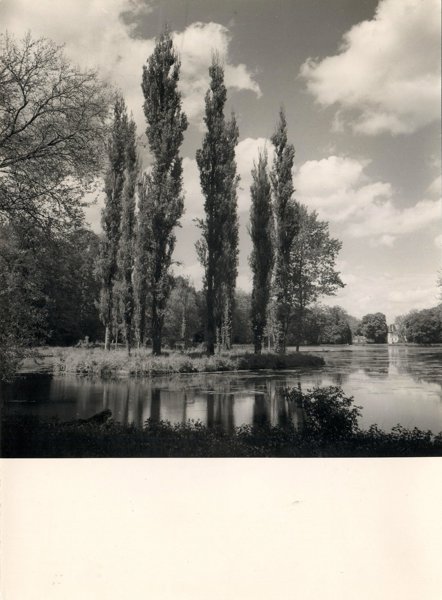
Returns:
(393, 384)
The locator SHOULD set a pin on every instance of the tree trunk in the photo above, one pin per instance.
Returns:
(157, 327)
(258, 344)
(210, 325)
(107, 338)
(156, 343)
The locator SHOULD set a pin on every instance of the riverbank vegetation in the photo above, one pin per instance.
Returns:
(329, 429)
(96, 361)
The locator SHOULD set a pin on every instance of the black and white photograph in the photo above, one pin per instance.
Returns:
(220, 299)
(220, 228)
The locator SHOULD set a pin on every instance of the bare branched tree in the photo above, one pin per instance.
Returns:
(53, 120)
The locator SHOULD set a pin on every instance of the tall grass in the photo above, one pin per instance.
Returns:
(96, 361)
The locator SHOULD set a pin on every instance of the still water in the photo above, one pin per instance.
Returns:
(392, 385)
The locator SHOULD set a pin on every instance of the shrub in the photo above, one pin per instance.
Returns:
(329, 415)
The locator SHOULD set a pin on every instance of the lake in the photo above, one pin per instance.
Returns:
(392, 384)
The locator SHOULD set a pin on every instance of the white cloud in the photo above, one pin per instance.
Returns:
(438, 241)
(338, 188)
(386, 76)
(95, 35)
(388, 220)
(194, 199)
(385, 292)
(435, 188)
(247, 153)
(193, 271)
(196, 44)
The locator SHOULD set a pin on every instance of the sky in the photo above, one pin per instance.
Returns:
(359, 81)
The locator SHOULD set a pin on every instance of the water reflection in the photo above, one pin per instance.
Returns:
(392, 384)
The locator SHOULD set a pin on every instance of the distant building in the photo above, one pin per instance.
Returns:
(359, 339)
(393, 334)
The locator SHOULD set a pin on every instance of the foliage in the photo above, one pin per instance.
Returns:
(329, 415)
(164, 203)
(374, 328)
(53, 123)
(183, 322)
(330, 429)
(217, 253)
(95, 361)
(286, 229)
(47, 289)
(111, 216)
(262, 257)
(423, 327)
(273, 361)
(241, 323)
(21, 322)
(313, 266)
(324, 325)
(125, 256)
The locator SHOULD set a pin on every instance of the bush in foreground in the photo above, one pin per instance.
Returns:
(330, 430)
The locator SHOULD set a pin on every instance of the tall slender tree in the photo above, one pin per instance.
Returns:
(111, 216)
(218, 247)
(287, 227)
(125, 290)
(143, 249)
(262, 257)
(164, 205)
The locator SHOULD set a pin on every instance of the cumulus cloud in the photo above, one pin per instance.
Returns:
(196, 45)
(390, 293)
(338, 188)
(95, 35)
(387, 220)
(386, 76)
(435, 188)
(247, 153)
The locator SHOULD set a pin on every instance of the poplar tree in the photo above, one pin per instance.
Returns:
(125, 288)
(111, 216)
(218, 247)
(164, 205)
(287, 227)
(143, 249)
(262, 256)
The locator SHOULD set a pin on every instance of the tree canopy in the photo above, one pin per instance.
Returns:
(312, 265)
(164, 201)
(218, 247)
(374, 327)
(262, 256)
(53, 127)
(286, 212)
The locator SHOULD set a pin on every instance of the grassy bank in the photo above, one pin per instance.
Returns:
(330, 430)
(141, 363)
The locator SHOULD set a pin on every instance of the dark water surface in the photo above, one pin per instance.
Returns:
(393, 384)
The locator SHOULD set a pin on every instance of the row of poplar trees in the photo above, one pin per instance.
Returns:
(137, 246)
(136, 251)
